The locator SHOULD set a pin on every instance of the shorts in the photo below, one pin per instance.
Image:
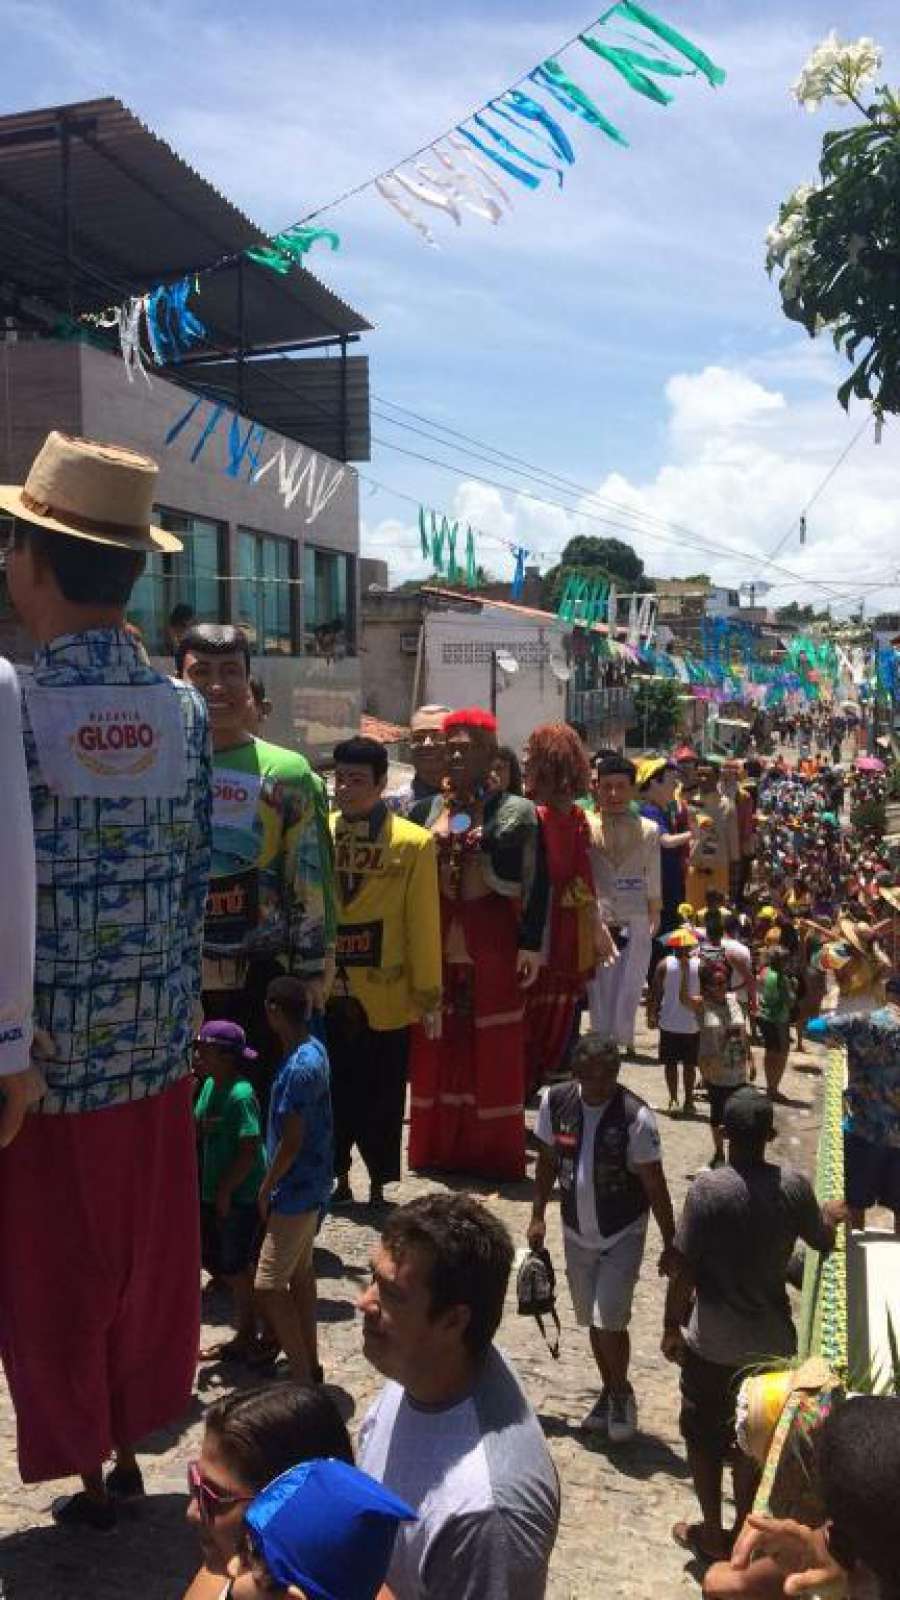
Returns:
(708, 1404)
(602, 1282)
(871, 1174)
(678, 1049)
(228, 1248)
(719, 1096)
(287, 1248)
(774, 1035)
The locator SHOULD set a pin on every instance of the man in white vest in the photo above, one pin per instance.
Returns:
(99, 1292)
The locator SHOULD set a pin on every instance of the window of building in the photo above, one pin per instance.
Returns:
(193, 578)
(329, 623)
(266, 592)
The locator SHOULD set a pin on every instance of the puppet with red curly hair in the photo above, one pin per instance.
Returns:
(556, 771)
(467, 1100)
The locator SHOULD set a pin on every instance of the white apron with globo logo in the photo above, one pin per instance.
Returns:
(109, 741)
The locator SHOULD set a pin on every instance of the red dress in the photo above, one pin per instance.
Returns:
(466, 1101)
(551, 1002)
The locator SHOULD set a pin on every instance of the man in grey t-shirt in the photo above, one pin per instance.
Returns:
(452, 1433)
(727, 1306)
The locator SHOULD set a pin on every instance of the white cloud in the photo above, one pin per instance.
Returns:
(740, 462)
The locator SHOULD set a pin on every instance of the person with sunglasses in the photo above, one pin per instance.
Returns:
(251, 1437)
(321, 1531)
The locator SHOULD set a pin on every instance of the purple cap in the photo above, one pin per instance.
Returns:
(229, 1035)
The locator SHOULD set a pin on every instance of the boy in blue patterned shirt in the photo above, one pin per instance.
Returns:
(295, 1191)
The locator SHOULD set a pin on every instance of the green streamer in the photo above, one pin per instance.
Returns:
(423, 533)
(635, 13)
(471, 568)
(636, 68)
(437, 542)
(452, 568)
(286, 249)
(574, 99)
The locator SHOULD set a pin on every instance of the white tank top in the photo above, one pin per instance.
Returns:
(675, 1017)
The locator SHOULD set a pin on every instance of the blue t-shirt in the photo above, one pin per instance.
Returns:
(302, 1085)
(671, 864)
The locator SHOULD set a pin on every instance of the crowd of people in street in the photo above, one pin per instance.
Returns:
(209, 954)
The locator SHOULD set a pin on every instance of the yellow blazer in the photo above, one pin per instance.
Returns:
(389, 932)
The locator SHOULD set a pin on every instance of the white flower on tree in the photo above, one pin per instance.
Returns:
(836, 71)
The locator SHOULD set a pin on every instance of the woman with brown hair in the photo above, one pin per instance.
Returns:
(557, 771)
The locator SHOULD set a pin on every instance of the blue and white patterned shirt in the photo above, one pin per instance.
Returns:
(121, 891)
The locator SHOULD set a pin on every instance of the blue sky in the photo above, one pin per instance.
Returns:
(622, 334)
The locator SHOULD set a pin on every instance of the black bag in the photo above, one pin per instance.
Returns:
(536, 1294)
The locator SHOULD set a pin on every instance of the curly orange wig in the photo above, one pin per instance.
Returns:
(557, 760)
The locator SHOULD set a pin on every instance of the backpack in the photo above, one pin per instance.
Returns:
(536, 1294)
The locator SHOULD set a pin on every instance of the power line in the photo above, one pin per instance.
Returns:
(799, 520)
(605, 521)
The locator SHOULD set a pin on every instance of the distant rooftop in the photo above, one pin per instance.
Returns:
(94, 207)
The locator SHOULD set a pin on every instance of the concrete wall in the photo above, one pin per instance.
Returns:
(390, 625)
(80, 390)
(457, 667)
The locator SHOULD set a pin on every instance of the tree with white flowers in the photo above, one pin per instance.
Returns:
(836, 243)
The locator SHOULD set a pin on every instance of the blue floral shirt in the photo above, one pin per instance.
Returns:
(872, 1098)
(302, 1085)
(121, 891)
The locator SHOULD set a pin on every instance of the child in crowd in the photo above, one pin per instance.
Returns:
(724, 1054)
(295, 1190)
(232, 1166)
(679, 1028)
(777, 998)
(322, 1528)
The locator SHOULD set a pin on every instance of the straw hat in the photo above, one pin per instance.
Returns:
(100, 492)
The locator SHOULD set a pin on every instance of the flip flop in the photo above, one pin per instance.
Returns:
(230, 1350)
(689, 1535)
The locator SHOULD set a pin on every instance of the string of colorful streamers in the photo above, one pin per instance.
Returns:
(519, 135)
(171, 327)
(438, 541)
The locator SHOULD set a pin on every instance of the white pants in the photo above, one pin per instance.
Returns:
(614, 993)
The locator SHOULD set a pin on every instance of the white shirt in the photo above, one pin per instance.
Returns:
(643, 1148)
(736, 952)
(674, 1016)
(17, 877)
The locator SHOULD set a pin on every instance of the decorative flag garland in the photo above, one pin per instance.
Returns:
(514, 134)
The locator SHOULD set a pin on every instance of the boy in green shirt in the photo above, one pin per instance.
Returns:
(233, 1165)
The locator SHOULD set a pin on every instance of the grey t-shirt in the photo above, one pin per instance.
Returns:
(480, 1477)
(737, 1232)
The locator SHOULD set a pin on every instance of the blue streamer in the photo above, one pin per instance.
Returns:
(182, 422)
(524, 106)
(513, 149)
(584, 108)
(238, 447)
(212, 423)
(254, 450)
(518, 583)
(171, 325)
(528, 178)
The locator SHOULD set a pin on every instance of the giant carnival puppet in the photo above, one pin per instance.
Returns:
(468, 1085)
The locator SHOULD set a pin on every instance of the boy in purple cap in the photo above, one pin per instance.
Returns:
(233, 1165)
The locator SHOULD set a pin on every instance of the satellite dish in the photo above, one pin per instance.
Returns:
(506, 662)
(560, 668)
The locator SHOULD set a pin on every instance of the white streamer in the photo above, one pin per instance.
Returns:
(427, 195)
(468, 154)
(383, 185)
(464, 188)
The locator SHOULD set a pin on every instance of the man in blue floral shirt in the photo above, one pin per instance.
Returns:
(99, 1294)
(871, 1104)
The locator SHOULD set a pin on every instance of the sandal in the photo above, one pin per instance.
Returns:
(689, 1536)
(230, 1350)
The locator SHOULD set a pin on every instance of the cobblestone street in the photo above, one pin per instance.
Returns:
(618, 1503)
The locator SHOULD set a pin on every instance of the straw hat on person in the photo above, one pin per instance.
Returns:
(100, 492)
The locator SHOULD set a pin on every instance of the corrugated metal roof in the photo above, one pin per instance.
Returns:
(138, 215)
(301, 398)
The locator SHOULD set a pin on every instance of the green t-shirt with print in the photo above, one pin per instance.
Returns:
(225, 1116)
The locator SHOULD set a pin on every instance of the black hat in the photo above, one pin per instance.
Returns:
(748, 1115)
